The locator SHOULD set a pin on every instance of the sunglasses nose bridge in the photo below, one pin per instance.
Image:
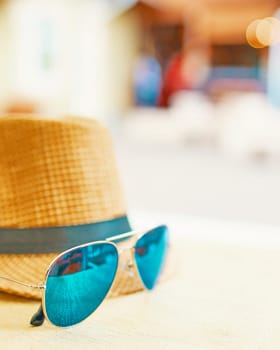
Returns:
(127, 260)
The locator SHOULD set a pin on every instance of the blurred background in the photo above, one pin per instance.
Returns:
(189, 88)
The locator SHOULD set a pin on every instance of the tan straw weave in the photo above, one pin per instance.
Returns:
(55, 172)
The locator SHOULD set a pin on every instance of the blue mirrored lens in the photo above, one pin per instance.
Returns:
(150, 253)
(78, 282)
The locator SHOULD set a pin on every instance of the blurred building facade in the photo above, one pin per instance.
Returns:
(214, 29)
(78, 57)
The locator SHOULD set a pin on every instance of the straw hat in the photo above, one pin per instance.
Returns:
(55, 172)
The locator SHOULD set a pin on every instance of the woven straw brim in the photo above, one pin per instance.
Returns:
(32, 269)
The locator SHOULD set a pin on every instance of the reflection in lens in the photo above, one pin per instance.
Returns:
(78, 282)
(150, 253)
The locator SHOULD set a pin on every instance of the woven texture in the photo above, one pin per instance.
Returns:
(31, 268)
(55, 172)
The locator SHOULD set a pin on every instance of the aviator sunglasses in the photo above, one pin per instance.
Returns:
(79, 279)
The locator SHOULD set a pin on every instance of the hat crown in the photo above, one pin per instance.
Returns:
(56, 172)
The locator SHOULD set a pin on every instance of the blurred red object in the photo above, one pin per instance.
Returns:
(174, 80)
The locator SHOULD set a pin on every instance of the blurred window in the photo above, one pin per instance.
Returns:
(235, 61)
(234, 55)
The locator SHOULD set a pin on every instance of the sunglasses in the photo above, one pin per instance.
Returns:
(79, 279)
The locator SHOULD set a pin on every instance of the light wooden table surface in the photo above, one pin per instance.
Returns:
(223, 295)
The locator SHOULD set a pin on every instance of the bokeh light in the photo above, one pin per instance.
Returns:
(263, 32)
(251, 35)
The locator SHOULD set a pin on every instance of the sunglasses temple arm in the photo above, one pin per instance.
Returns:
(38, 318)
(121, 236)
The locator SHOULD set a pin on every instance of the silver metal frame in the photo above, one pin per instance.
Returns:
(30, 285)
(137, 234)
